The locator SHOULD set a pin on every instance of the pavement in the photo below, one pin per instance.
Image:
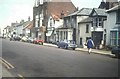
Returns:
(4, 72)
(95, 51)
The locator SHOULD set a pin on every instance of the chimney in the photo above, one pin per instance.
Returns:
(22, 21)
(29, 18)
(62, 14)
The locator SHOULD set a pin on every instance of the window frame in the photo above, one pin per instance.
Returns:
(118, 16)
(87, 28)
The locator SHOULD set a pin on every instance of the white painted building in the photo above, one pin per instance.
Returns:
(72, 22)
(85, 27)
(112, 28)
(27, 29)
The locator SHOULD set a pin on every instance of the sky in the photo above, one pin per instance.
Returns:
(16, 10)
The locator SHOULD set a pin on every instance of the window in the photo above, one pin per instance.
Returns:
(113, 38)
(50, 22)
(100, 22)
(118, 16)
(119, 39)
(66, 35)
(87, 28)
(67, 22)
(95, 20)
(80, 41)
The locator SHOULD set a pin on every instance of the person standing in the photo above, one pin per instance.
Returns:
(90, 44)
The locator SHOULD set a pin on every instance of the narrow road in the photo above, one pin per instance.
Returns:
(32, 60)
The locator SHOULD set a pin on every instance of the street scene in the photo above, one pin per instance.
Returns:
(60, 38)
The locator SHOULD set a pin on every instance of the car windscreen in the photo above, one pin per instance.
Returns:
(71, 41)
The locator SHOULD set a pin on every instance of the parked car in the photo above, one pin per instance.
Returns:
(67, 44)
(30, 39)
(54, 42)
(38, 41)
(24, 39)
(116, 51)
(15, 38)
(1, 36)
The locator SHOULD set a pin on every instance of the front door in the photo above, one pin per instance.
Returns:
(97, 38)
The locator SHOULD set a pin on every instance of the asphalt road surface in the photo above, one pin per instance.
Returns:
(32, 60)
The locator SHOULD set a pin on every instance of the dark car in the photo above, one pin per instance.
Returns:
(67, 44)
(15, 38)
(116, 51)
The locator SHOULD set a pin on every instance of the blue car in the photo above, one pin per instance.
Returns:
(67, 44)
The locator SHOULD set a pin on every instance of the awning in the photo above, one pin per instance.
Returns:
(115, 28)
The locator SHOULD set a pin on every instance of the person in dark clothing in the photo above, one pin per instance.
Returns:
(90, 44)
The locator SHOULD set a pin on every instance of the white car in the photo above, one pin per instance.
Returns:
(30, 40)
(24, 39)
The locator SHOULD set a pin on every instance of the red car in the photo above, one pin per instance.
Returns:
(37, 41)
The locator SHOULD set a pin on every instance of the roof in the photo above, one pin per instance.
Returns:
(72, 14)
(83, 11)
(99, 12)
(89, 19)
(29, 25)
(114, 8)
(24, 24)
(55, 8)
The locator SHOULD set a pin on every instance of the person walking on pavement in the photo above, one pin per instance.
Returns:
(90, 44)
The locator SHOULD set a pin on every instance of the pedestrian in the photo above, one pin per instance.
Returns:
(90, 44)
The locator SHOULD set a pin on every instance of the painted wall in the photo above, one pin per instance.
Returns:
(110, 23)
(19, 30)
(79, 19)
(83, 34)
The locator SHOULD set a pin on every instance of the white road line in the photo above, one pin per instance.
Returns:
(7, 64)
(19, 75)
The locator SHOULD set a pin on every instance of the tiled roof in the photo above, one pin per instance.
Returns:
(28, 25)
(100, 12)
(74, 13)
(56, 8)
(83, 11)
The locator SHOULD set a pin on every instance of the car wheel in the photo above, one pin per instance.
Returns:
(65, 47)
(58, 46)
(117, 55)
(73, 48)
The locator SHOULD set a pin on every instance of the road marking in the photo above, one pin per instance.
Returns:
(19, 75)
(7, 64)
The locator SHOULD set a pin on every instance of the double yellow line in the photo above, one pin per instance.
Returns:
(6, 64)
(9, 66)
